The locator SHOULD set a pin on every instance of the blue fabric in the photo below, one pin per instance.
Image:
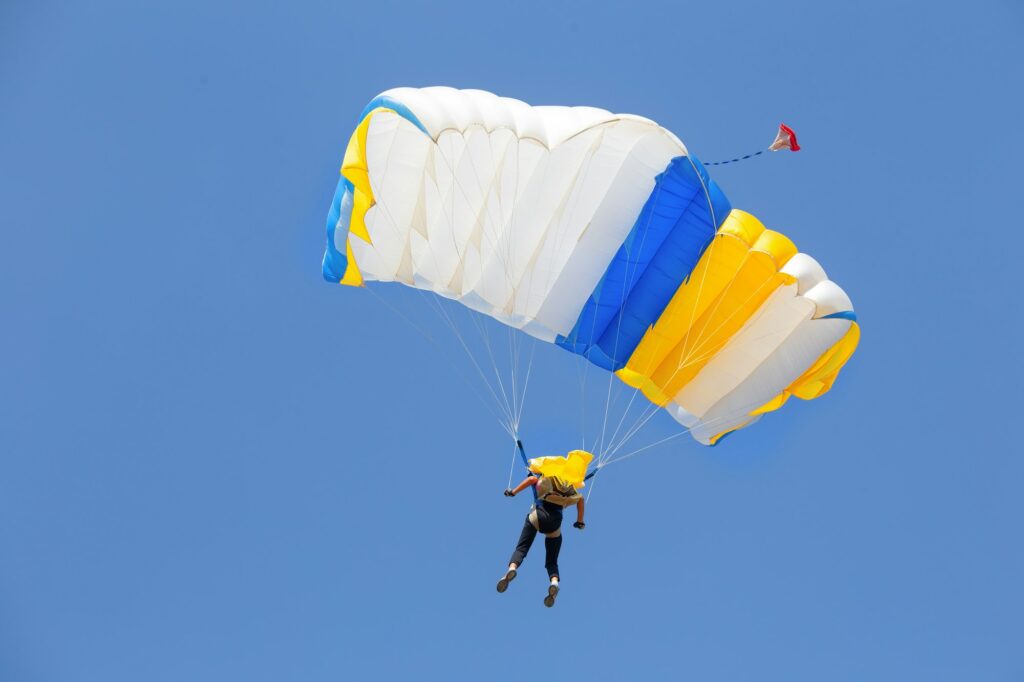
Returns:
(660, 252)
(844, 315)
(335, 263)
(398, 107)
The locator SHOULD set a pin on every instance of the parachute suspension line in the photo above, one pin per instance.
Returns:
(503, 251)
(518, 391)
(504, 228)
(618, 324)
(634, 428)
(485, 336)
(593, 483)
(526, 385)
(513, 354)
(561, 236)
(633, 453)
(520, 383)
(652, 410)
(503, 254)
(689, 359)
(642, 420)
(611, 442)
(559, 240)
(723, 418)
(602, 450)
(512, 463)
(438, 306)
(400, 314)
(471, 384)
(509, 399)
(506, 424)
(446, 317)
(622, 419)
(481, 330)
(689, 350)
(612, 458)
(583, 388)
(645, 416)
(714, 240)
(581, 379)
(586, 367)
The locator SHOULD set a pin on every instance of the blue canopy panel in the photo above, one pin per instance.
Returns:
(335, 262)
(668, 238)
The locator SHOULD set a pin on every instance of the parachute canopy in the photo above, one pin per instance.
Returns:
(594, 231)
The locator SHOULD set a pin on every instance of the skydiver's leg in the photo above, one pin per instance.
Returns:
(552, 546)
(525, 541)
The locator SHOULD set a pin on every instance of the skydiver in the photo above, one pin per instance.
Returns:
(553, 495)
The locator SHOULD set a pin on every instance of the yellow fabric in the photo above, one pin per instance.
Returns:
(714, 271)
(354, 165)
(734, 277)
(352, 277)
(572, 468)
(361, 203)
(816, 381)
(753, 284)
(773, 404)
(355, 169)
(776, 245)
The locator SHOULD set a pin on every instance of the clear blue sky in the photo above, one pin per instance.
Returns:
(192, 423)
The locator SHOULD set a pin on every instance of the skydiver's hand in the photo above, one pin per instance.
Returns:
(580, 525)
(509, 493)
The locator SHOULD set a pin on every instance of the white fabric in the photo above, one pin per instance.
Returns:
(791, 359)
(775, 346)
(514, 210)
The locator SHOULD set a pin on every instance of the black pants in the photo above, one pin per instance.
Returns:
(549, 519)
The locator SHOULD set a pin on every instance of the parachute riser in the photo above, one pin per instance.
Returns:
(526, 463)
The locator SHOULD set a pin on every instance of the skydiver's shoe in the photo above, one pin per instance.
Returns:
(506, 579)
(549, 600)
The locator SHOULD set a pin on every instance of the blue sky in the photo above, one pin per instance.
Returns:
(215, 466)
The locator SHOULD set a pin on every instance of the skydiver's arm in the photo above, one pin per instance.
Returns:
(527, 482)
(579, 513)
